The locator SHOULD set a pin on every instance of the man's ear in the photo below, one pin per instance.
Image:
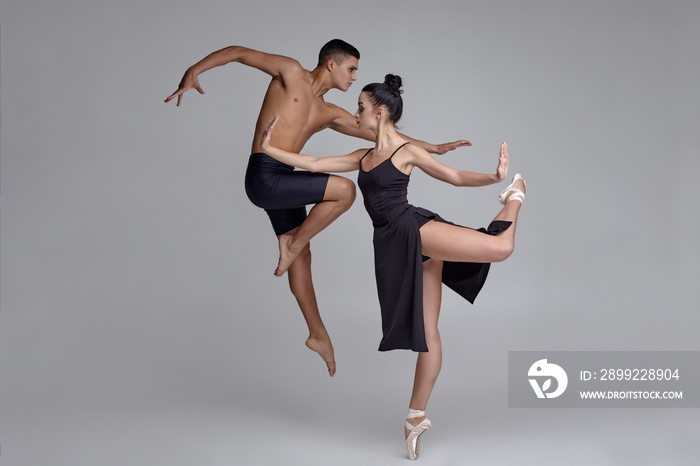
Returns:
(330, 64)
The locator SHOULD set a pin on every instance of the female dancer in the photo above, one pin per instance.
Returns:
(415, 249)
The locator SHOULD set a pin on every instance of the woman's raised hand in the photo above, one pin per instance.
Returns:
(267, 135)
(502, 169)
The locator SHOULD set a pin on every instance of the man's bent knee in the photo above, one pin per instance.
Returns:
(341, 190)
(349, 193)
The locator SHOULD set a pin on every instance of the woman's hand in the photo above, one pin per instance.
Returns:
(189, 81)
(267, 135)
(502, 169)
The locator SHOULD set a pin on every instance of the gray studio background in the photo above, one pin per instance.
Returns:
(141, 323)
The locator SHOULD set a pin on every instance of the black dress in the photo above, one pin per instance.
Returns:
(398, 261)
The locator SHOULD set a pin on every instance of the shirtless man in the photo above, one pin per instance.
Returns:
(296, 96)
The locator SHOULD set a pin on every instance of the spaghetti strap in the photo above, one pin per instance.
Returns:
(363, 157)
(397, 149)
(370, 150)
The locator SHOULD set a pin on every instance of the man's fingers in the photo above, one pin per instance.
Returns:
(177, 94)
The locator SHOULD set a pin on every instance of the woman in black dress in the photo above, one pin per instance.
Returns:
(415, 250)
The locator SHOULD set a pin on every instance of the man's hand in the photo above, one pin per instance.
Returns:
(267, 135)
(189, 81)
(443, 148)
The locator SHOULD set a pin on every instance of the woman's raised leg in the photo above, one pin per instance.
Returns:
(456, 244)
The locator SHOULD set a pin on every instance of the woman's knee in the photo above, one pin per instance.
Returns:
(504, 249)
(433, 341)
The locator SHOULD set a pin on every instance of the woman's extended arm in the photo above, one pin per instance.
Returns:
(432, 167)
(341, 163)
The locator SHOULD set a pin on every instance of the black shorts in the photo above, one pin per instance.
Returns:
(283, 192)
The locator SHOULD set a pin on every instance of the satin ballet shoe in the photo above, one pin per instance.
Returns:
(511, 193)
(413, 439)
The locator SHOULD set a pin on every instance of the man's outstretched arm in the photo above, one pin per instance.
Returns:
(346, 124)
(274, 65)
(438, 149)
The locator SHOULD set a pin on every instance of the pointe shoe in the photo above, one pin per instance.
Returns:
(511, 193)
(413, 439)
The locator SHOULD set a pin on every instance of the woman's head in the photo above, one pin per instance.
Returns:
(387, 95)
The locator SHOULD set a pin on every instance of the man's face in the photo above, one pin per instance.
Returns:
(345, 73)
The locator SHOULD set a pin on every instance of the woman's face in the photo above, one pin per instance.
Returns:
(365, 114)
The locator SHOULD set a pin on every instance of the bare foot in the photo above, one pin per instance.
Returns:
(324, 348)
(287, 255)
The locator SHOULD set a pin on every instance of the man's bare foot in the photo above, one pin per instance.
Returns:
(324, 348)
(287, 255)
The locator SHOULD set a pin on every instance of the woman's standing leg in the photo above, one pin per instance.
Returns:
(428, 364)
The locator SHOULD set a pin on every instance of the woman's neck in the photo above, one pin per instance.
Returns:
(387, 136)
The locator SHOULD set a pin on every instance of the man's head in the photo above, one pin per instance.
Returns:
(338, 50)
(340, 59)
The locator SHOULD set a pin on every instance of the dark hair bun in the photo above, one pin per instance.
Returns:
(394, 82)
(387, 94)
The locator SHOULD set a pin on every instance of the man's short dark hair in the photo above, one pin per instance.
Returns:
(338, 50)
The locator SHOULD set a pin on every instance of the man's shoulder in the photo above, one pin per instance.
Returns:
(335, 113)
(330, 106)
(334, 109)
(293, 68)
(294, 75)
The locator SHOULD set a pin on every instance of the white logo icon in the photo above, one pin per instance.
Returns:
(544, 370)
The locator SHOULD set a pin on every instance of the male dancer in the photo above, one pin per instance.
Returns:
(295, 95)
